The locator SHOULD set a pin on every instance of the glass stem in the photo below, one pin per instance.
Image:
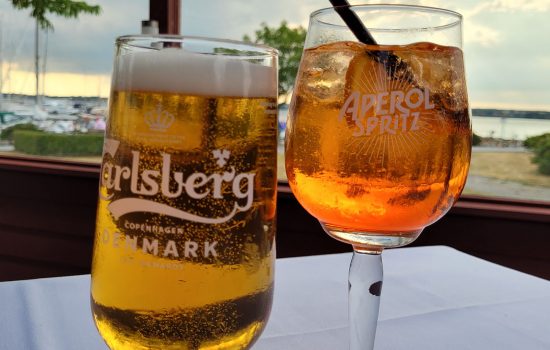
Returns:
(365, 286)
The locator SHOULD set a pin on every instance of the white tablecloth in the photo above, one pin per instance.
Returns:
(433, 298)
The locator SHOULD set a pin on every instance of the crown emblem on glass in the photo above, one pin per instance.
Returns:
(158, 119)
(221, 155)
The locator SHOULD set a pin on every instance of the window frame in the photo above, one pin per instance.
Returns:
(495, 207)
(492, 223)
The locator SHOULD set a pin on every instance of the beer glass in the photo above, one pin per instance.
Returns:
(378, 137)
(184, 246)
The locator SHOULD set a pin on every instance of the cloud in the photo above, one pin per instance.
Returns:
(509, 6)
(477, 18)
(511, 99)
(83, 45)
(481, 34)
(503, 41)
(543, 63)
(228, 19)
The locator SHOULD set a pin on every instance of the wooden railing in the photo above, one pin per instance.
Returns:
(47, 218)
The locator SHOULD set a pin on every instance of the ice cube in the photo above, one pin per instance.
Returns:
(324, 70)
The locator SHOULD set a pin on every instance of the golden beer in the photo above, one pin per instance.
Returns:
(184, 250)
(385, 138)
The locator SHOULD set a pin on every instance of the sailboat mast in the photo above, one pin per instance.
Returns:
(1, 59)
(36, 63)
(44, 61)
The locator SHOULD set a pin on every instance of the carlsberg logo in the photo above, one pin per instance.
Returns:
(172, 184)
(386, 112)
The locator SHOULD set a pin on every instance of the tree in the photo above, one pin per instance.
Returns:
(39, 10)
(290, 43)
(65, 8)
(540, 145)
(476, 139)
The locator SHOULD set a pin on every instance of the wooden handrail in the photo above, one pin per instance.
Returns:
(467, 205)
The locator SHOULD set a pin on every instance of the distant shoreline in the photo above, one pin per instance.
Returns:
(509, 113)
(477, 112)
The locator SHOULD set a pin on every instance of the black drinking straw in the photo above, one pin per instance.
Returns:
(353, 22)
(389, 59)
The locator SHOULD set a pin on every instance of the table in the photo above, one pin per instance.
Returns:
(433, 298)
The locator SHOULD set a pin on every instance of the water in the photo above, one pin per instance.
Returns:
(497, 127)
(509, 128)
(283, 114)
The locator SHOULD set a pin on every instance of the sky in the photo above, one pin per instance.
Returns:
(506, 43)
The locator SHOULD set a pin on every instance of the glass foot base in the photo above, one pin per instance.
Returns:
(371, 242)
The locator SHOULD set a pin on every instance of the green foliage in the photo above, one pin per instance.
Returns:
(7, 133)
(234, 52)
(49, 144)
(65, 8)
(533, 141)
(542, 155)
(290, 43)
(476, 140)
(540, 145)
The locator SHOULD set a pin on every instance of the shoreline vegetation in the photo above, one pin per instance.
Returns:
(492, 142)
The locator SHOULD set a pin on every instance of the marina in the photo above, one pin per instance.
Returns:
(509, 128)
(88, 114)
(56, 115)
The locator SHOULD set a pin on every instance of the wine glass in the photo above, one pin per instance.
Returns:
(378, 136)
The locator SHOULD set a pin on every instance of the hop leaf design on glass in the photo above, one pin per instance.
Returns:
(222, 156)
(158, 119)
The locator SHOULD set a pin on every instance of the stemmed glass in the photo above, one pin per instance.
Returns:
(378, 137)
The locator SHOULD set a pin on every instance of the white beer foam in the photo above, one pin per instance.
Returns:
(175, 70)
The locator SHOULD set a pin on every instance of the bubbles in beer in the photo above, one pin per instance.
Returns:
(163, 275)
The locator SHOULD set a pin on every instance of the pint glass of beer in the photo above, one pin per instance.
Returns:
(378, 138)
(184, 246)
